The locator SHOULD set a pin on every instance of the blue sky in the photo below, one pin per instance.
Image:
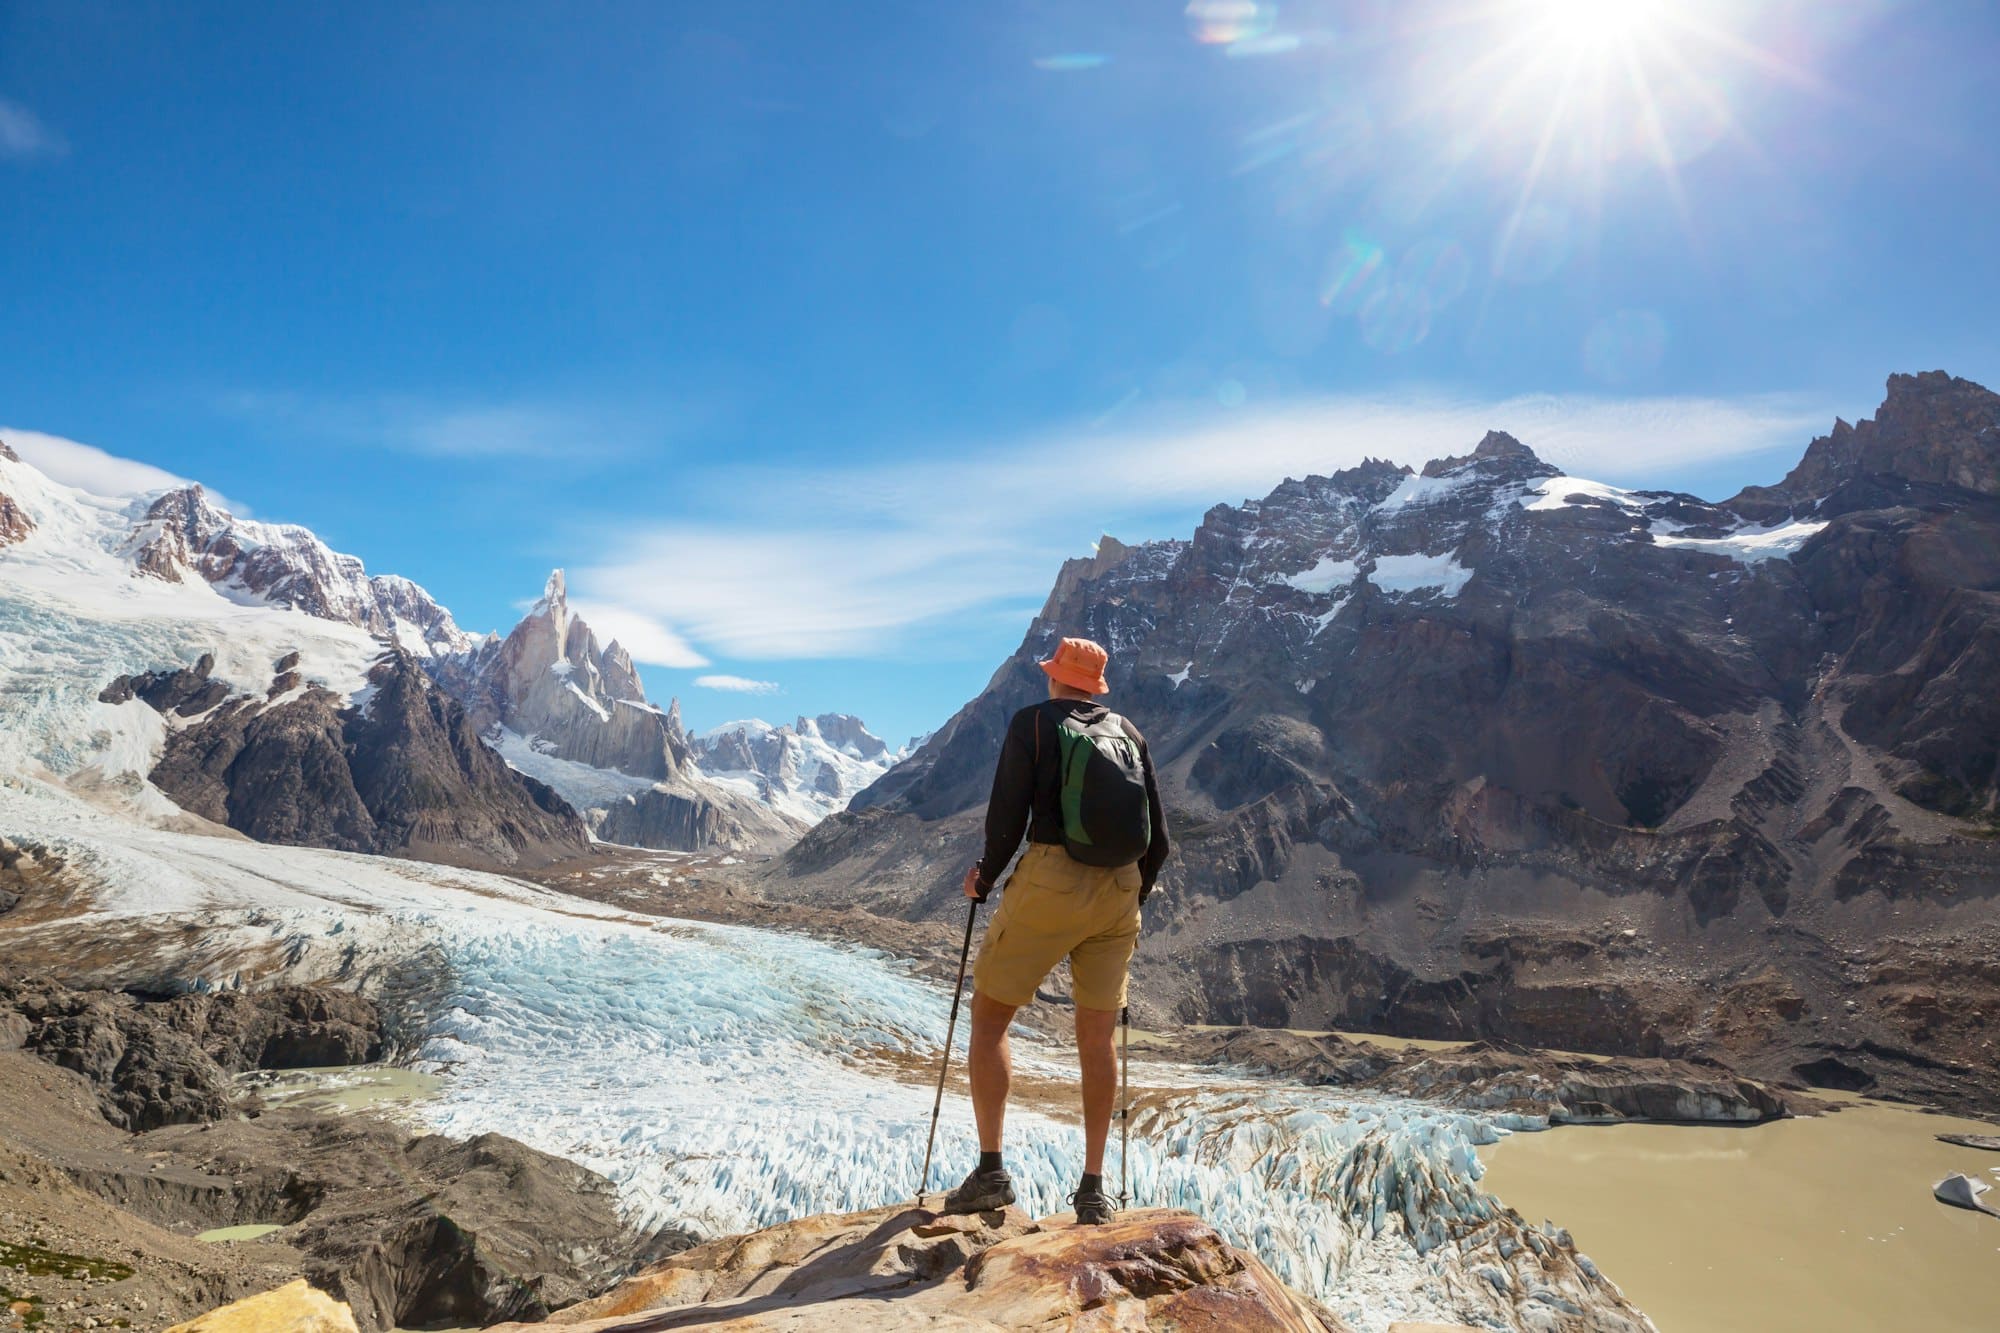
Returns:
(790, 329)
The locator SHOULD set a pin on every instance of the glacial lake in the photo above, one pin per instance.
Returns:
(1822, 1223)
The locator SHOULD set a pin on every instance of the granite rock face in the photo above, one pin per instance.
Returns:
(550, 679)
(561, 705)
(905, 1267)
(1489, 751)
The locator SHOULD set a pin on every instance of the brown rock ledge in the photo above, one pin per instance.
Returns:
(905, 1267)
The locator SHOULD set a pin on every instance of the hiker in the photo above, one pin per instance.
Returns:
(1077, 779)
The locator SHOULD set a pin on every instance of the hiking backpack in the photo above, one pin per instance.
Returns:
(1106, 818)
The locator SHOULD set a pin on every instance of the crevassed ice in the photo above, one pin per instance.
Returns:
(731, 1078)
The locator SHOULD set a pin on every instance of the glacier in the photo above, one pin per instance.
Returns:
(723, 1077)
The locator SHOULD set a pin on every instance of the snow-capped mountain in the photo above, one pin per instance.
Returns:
(575, 715)
(181, 665)
(1484, 749)
(183, 535)
(567, 714)
(809, 769)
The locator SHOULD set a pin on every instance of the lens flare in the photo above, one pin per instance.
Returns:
(1275, 44)
(1071, 62)
(1224, 22)
(1353, 274)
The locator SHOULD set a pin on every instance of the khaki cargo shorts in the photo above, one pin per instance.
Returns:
(1053, 908)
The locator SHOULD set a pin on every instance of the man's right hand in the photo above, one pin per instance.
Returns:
(972, 888)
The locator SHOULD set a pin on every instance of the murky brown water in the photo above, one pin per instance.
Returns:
(345, 1087)
(1823, 1223)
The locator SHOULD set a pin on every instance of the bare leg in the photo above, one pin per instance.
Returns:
(1098, 1055)
(990, 1066)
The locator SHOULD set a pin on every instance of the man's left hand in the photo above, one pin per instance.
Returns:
(972, 888)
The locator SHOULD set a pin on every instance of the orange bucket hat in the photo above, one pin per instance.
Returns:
(1078, 663)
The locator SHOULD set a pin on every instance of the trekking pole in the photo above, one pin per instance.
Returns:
(951, 1028)
(1124, 1103)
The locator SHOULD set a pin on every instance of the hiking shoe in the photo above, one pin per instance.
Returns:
(981, 1192)
(1093, 1208)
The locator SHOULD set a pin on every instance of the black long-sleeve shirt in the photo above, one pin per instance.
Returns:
(1027, 789)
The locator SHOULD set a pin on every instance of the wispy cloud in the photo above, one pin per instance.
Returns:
(645, 636)
(850, 561)
(91, 469)
(24, 137)
(578, 429)
(737, 684)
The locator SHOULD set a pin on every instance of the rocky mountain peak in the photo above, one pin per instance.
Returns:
(1932, 427)
(621, 676)
(555, 592)
(549, 679)
(1371, 475)
(184, 534)
(846, 731)
(1496, 447)
(1109, 554)
(807, 769)
(7, 452)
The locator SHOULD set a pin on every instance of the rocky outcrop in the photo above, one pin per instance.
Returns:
(1484, 1076)
(295, 1307)
(404, 772)
(409, 1230)
(1414, 727)
(184, 534)
(432, 1231)
(168, 1061)
(1932, 428)
(905, 1267)
(14, 521)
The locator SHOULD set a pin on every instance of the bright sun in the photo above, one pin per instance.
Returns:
(1593, 28)
(1588, 82)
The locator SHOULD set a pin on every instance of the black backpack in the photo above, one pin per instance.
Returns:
(1106, 818)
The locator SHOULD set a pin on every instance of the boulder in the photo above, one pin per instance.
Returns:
(907, 1267)
(292, 1308)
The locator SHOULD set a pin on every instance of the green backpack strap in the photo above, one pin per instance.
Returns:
(1076, 749)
